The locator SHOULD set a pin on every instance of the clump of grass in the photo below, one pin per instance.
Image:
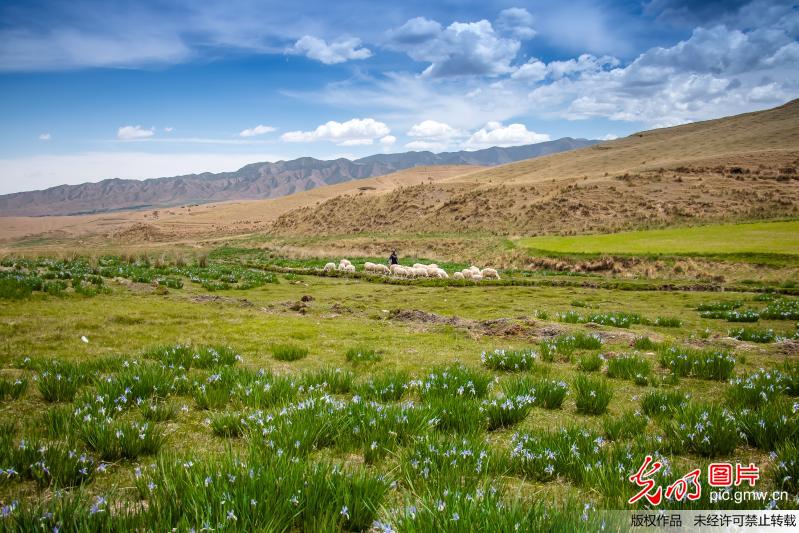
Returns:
(363, 354)
(228, 424)
(566, 345)
(617, 319)
(702, 364)
(438, 460)
(506, 411)
(668, 322)
(187, 356)
(663, 403)
(509, 360)
(159, 410)
(630, 424)
(719, 306)
(12, 389)
(333, 380)
(454, 380)
(769, 425)
(458, 414)
(264, 389)
(759, 387)
(288, 352)
(48, 464)
(786, 466)
(592, 395)
(546, 393)
(213, 394)
(753, 335)
(645, 343)
(590, 362)
(59, 381)
(388, 386)
(299, 428)
(742, 316)
(118, 439)
(631, 367)
(704, 429)
(543, 457)
(781, 309)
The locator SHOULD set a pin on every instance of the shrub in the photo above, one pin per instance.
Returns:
(363, 354)
(592, 395)
(630, 424)
(509, 360)
(753, 335)
(590, 362)
(663, 403)
(288, 352)
(704, 429)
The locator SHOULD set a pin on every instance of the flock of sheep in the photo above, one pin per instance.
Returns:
(418, 270)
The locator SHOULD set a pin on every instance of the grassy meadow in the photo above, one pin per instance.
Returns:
(143, 394)
(756, 238)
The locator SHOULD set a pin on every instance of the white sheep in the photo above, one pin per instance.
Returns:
(458, 275)
(477, 277)
(397, 270)
(419, 265)
(467, 273)
(369, 266)
(420, 272)
(380, 268)
(489, 273)
(474, 269)
(348, 269)
(329, 267)
(441, 273)
(343, 263)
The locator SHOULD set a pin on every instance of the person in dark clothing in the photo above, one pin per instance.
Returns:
(392, 260)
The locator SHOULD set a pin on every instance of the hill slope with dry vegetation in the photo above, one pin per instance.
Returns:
(736, 168)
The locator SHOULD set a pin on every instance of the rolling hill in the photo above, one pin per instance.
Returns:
(254, 181)
(735, 168)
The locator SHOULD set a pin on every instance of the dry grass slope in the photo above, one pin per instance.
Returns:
(736, 168)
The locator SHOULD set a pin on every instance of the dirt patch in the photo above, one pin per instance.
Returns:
(499, 327)
(211, 298)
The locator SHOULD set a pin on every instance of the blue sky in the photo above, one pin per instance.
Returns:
(92, 90)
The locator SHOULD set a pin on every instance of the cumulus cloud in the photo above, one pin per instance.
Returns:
(432, 135)
(169, 129)
(517, 21)
(426, 146)
(260, 129)
(388, 140)
(331, 53)
(495, 134)
(127, 133)
(44, 137)
(460, 49)
(358, 131)
(533, 70)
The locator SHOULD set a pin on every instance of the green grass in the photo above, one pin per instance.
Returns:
(317, 442)
(753, 238)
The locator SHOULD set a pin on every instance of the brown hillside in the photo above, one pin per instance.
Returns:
(741, 167)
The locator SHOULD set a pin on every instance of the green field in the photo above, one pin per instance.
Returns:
(719, 239)
(359, 405)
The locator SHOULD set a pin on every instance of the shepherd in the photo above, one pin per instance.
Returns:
(392, 259)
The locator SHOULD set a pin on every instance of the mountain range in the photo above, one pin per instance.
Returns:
(254, 181)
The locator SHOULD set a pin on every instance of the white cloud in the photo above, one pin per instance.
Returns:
(45, 137)
(335, 52)
(43, 171)
(533, 70)
(169, 129)
(260, 129)
(609, 137)
(517, 21)
(126, 133)
(432, 129)
(461, 49)
(351, 133)
(388, 140)
(495, 134)
(426, 146)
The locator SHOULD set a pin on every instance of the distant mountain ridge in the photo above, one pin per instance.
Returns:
(254, 181)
